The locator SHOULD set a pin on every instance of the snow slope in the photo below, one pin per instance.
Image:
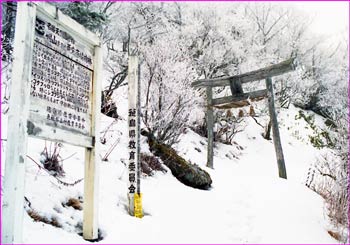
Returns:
(247, 203)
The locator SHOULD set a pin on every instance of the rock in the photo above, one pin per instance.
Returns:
(187, 173)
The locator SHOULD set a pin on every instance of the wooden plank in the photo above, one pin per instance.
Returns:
(68, 24)
(134, 128)
(92, 158)
(270, 71)
(46, 132)
(16, 147)
(210, 127)
(239, 97)
(138, 137)
(238, 104)
(138, 208)
(275, 131)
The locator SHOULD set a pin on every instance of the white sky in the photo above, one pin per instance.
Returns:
(330, 18)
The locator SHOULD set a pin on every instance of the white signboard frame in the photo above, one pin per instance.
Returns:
(24, 121)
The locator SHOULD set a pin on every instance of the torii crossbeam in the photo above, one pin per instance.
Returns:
(239, 99)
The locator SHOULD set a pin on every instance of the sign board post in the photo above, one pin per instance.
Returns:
(134, 168)
(16, 147)
(92, 159)
(56, 96)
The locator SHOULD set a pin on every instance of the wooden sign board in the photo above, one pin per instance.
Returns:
(55, 95)
(61, 84)
(60, 93)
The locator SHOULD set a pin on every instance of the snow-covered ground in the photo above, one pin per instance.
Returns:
(247, 203)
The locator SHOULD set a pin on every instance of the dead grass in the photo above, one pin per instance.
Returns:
(74, 203)
(39, 218)
(335, 235)
(51, 159)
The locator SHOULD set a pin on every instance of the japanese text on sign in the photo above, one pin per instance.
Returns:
(132, 150)
(61, 79)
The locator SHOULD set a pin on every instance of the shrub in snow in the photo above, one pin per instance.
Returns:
(52, 161)
(319, 138)
(333, 185)
(85, 13)
(149, 164)
(108, 106)
(200, 128)
(331, 180)
(227, 126)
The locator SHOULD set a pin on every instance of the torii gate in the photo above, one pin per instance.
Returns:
(239, 98)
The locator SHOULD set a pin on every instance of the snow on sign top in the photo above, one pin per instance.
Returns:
(62, 75)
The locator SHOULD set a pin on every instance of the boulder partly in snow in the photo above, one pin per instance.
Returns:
(187, 173)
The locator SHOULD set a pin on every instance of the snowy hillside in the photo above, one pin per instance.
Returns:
(247, 203)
